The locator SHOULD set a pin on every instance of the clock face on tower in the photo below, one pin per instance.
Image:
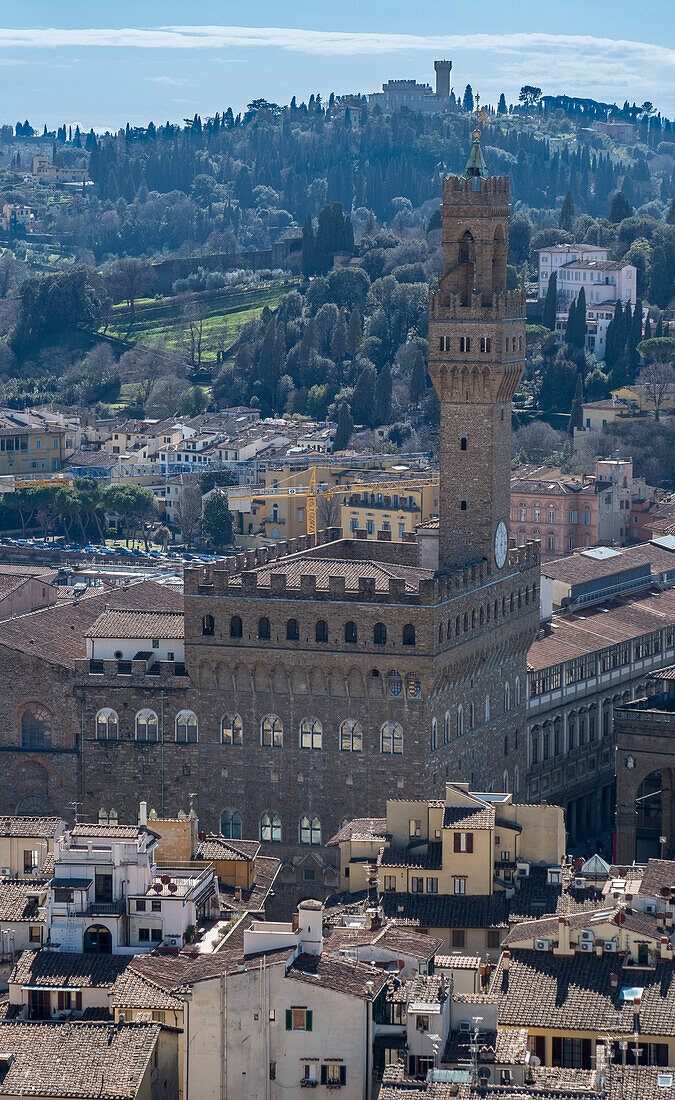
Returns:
(501, 544)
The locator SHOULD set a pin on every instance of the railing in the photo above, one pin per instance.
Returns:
(105, 908)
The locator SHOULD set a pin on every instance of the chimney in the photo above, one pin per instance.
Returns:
(614, 980)
(506, 961)
(310, 926)
(564, 947)
(143, 814)
(665, 948)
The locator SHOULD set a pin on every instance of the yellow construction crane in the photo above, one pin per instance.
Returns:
(312, 493)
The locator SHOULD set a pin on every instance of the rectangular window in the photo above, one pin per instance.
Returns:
(459, 885)
(390, 882)
(140, 905)
(273, 1071)
(298, 1019)
(144, 935)
(156, 935)
(463, 842)
(31, 860)
(458, 937)
(156, 906)
(415, 827)
(417, 884)
(35, 933)
(432, 886)
(333, 1075)
(493, 938)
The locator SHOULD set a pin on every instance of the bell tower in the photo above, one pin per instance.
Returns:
(476, 360)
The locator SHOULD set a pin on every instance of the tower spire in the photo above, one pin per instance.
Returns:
(475, 165)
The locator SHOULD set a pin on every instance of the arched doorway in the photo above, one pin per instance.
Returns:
(648, 817)
(98, 940)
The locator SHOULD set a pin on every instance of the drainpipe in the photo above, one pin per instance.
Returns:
(161, 696)
(82, 750)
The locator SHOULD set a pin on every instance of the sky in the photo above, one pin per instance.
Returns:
(101, 64)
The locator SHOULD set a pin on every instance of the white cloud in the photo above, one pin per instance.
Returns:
(165, 80)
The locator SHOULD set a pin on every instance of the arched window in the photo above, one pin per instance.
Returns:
(292, 630)
(231, 730)
(391, 738)
(460, 721)
(505, 782)
(230, 824)
(457, 626)
(270, 828)
(481, 617)
(487, 708)
(146, 725)
(311, 733)
(321, 632)
(208, 626)
(235, 627)
(186, 726)
(522, 511)
(472, 716)
(551, 514)
(351, 633)
(98, 940)
(440, 633)
(264, 628)
(507, 697)
(310, 830)
(462, 443)
(473, 619)
(466, 622)
(446, 728)
(107, 725)
(434, 734)
(379, 634)
(351, 736)
(108, 817)
(408, 634)
(272, 732)
(517, 691)
(36, 728)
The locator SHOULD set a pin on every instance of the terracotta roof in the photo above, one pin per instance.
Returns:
(425, 857)
(64, 969)
(115, 832)
(391, 936)
(643, 923)
(422, 989)
(340, 976)
(573, 993)
(658, 876)
(665, 673)
(593, 628)
(457, 962)
(469, 817)
(507, 1046)
(20, 899)
(135, 990)
(361, 828)
(29, 826)
(352, 571)
(218, 847)
(448, 910)
(57, 634)
(580, 567)
(253, 900)
(138, 624)
(79, 1060)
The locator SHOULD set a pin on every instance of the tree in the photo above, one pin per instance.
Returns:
(501, 106)
(345, 428)
(243, 189)
(467, 101)
(363, 400)
(193, 336)
(529, 95)
(634, 338)
(52, 304)
(570, 327)
(308, 247)
(619, 208)
(657, 377)
(217, 520)
(558, 385)
(578, 335)
(383, 389)
(418, 379)
(338, 343)
(134, 504)
(566, 218)
(129, 278)
(355, 333)
(551, 302)
(576, 413)
(194, 401)
(661, 283)
(520, 233)
(188, 510)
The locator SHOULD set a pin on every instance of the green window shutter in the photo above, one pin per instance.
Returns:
(308, 1019)
(343, 1075)
(324, 1075)
(289, 1019)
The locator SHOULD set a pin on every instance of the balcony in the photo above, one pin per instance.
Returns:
(105, 908)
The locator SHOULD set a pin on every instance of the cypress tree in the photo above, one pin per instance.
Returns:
(338, 343)
(308, 247)
(418, 379)
(566, 219)
(634, 337)
(570, 327)
(383, 388)
(345, 427)
(467, 102)
(576, 413)
(579, 335)
(660, 284)
(501, 106)
(355, 333)
(550, 302)
(648, 328)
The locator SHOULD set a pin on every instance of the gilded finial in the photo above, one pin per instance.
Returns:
(481, 119)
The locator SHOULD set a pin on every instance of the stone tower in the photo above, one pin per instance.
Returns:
(476, 359)
(443, 70)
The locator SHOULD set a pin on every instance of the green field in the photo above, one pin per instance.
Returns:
(224, 315)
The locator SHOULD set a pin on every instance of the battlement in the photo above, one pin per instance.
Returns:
(458, 190)
(314, 578)
(506, 305)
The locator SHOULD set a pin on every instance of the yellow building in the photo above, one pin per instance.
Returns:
(640, 399)
(449, 865)
(30, 452)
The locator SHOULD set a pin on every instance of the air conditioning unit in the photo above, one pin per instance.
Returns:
(522, 869)
(5, 871)
(587, 935)
(650, 907)
(580, 884)
(172, 941)
(542, 945)
(610, 945)
(586, 945)
(465, 1026)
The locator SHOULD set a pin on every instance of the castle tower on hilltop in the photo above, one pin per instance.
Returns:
(476, 360)
(443, 70)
